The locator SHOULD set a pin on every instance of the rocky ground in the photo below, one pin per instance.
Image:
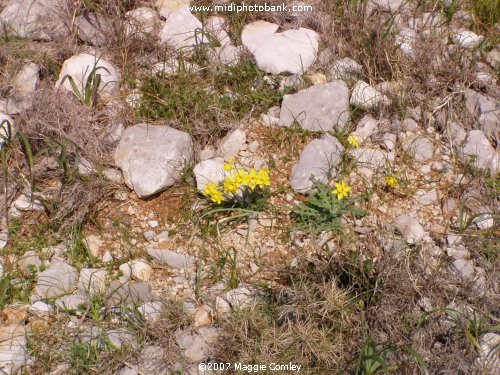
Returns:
(183, 188)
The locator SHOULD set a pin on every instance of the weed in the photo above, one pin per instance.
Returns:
(324, 210)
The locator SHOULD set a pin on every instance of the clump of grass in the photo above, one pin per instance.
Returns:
(208, 103)
(487, 12)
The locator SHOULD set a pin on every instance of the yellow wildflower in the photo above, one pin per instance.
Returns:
(228, 167)
(353, 141)
(210, 189)
(230, 185)
(263, 178)
(341, 189)
(217, 197)
(392, 181)
(253, 179)
(242, 178)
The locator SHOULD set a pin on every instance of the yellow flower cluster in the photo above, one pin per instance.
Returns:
(237, 179)
(353, 141)
(392, 181)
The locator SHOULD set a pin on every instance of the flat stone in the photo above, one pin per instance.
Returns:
(463, 268)
(120, 338)
(486, 110)
(182, 29)
(467, 39)
(34, 19)
(40, 307)
(319, 157)
(92, 281)
(410, 228)
(365, 96)
(13, 348)
(29, 260)
(365, 128)
(59, 279)
(291, 51)
(118, 293)
(323, 107)
(79, 67)
(22, 90)
(484, 221)
(421, 149)
(151, 311)
(24, 203)
(477, 148)
(93, 244)
(371, 158)
(345, 69)
(232, 143)
(93, 28)
(141, 269)
(172, 259)
(152, 157)
(72, 301)
(458, 252)
(209, 172)
(430, 197)
(140, 21)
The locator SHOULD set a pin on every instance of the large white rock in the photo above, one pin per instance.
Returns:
(322, 107)
(291, 51)
(79, 67)
(318, 160)
(209, 172)
(23, 88)
(12, 348)
(152, 157)
(142, 20)
(477, 147)
(35, 19)
(232, 143)
(59, 279)
(467, 39)
(363, 95)
(166, 7)
(182, 29)
(7, 130)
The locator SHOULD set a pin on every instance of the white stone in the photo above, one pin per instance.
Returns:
(113, 175)
(152, 157)
(172, 259)
(486, 110)
(209, 172)
(79, 67)
(141, 270)
(71, 301)
(463, 268)
(232, 143)
(458, 252)
(216, 26)
(366, 127)
(429, 197)
(142, 20)
(318, 160)
(151, 311)
(24, 203)
(93, 28)
(166, 7)
(371, 158)
(344, 69)
(291, 51)
(363, 95)
(92, 281)
(93, 244)
(484, 221)
(467, 39)
(29, 260)
(225, 55)
(322, 107)
(13, 349)
(477, 147)
(182, 29)
(391, 5)
(488, 352)
(420, 148)
(22, 88)
(35, 19)
(59, 279)
(410, 228)
(40, 307)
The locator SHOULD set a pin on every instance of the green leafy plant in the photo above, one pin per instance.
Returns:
(88, 93)
(324, 210)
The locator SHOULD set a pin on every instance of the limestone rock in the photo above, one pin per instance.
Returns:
(79, 67)
(23, 87)
(318, 159)
(231, 144)
(345, 69)
(92, 281)
(182, 29)
(410, 228)
(323, 107)
(486, 110)
(467, 39)
(140, 21)
(152, 157)
(172, 259)
(93, 244)
(12, 348)
(291, 51)
(420, 148)
(60, 278)
(366, 127)
(93, 28)
(209, 171)
(363, 95)
(372, 158)
(477, 148)
(166, 7)
(35, 19)
(151, 311)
